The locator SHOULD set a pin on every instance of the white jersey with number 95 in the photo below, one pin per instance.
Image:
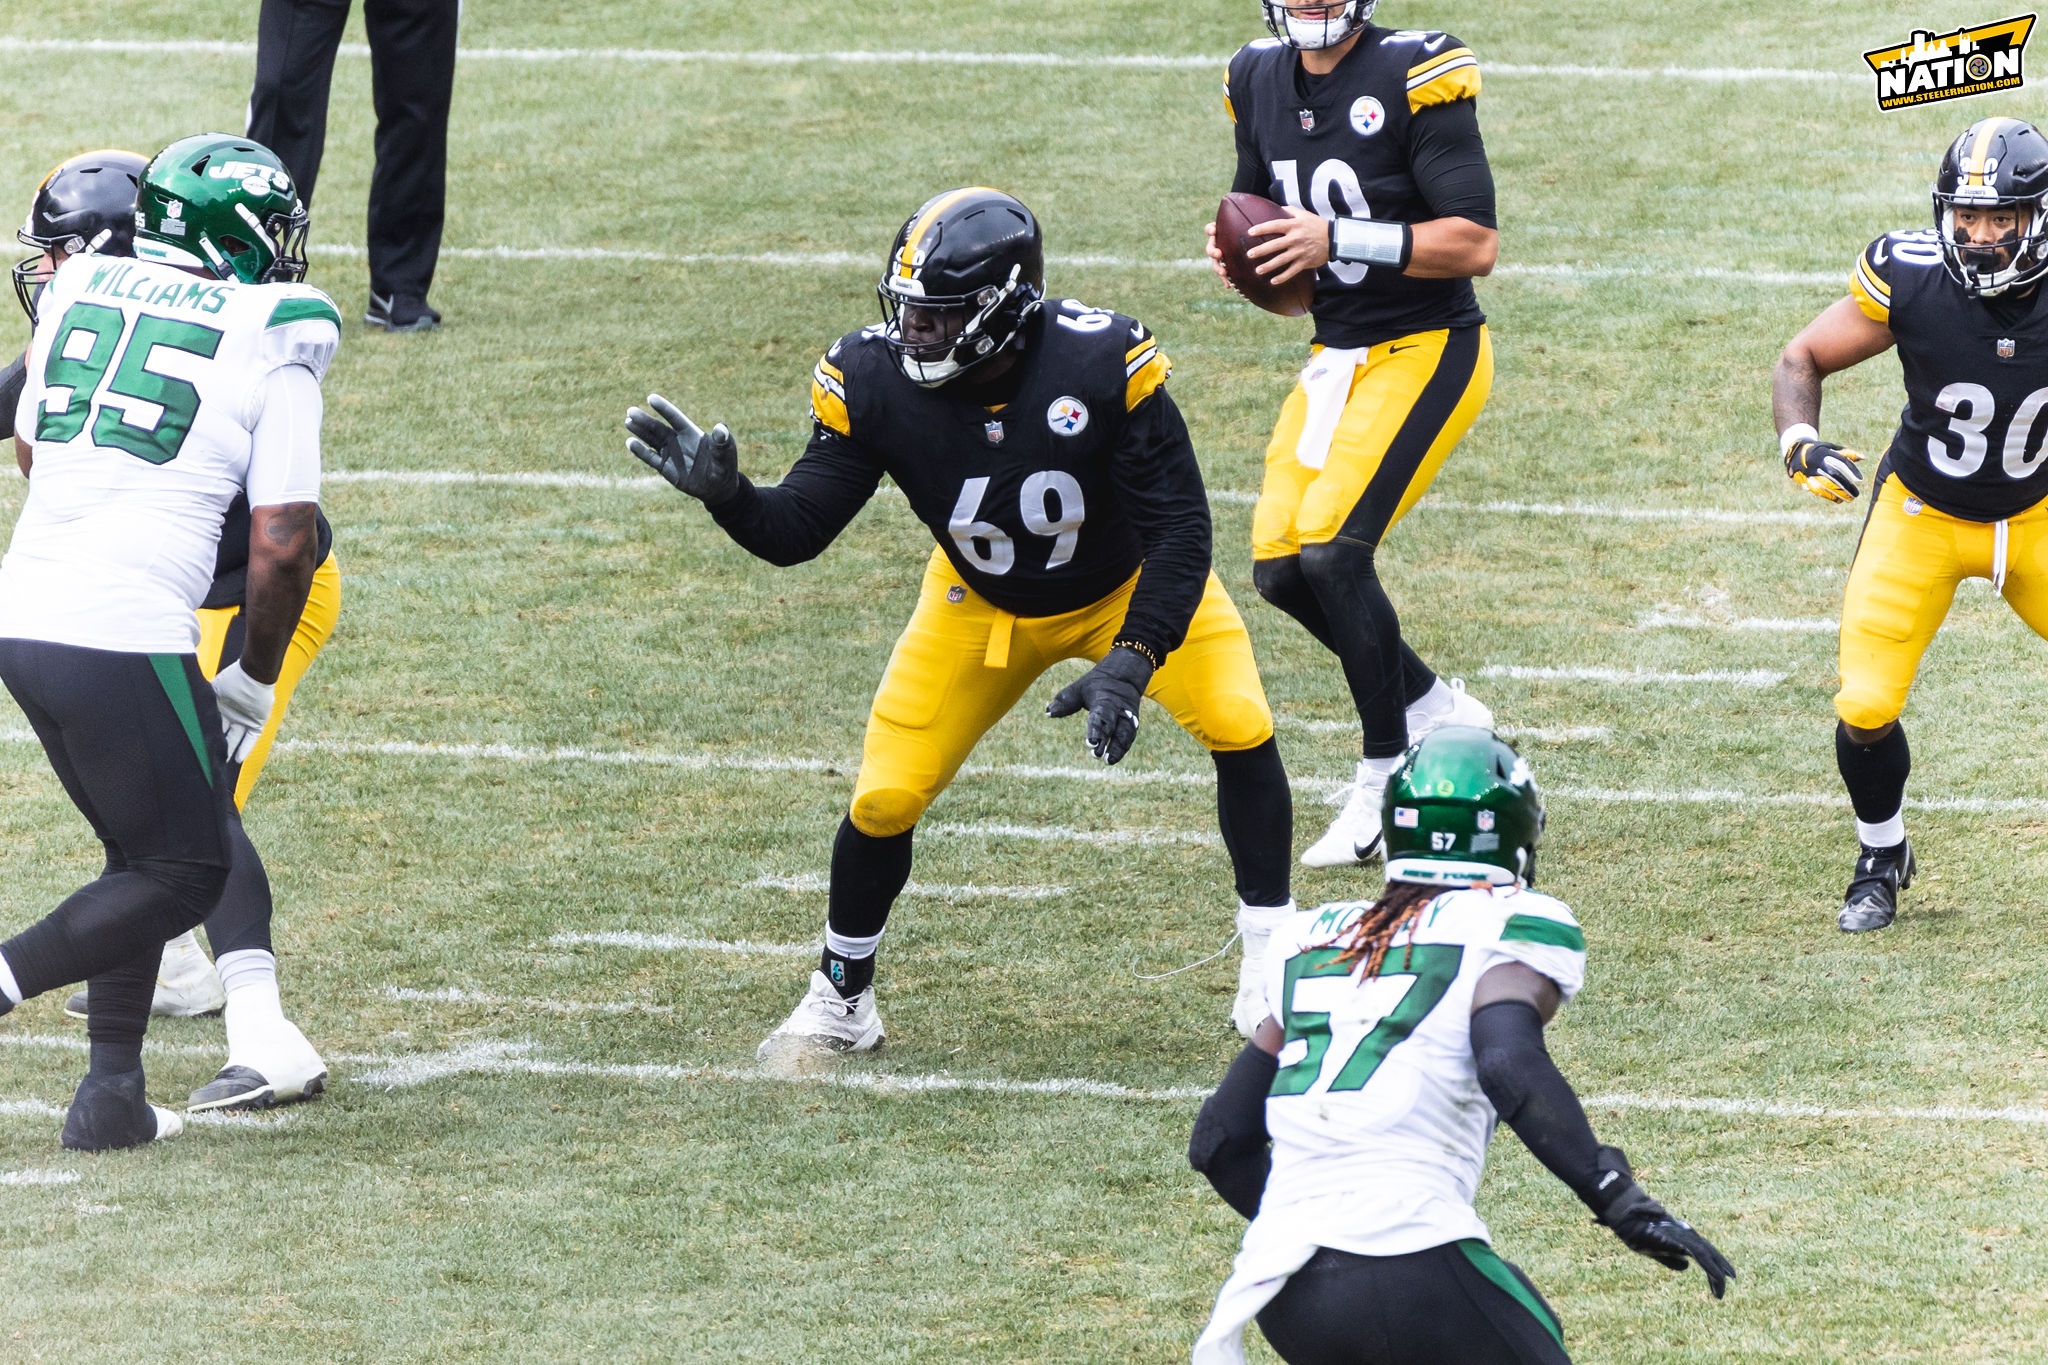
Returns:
(1379, 1125)
(146, 388)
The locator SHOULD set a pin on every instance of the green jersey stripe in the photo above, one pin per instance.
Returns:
(170, 671)
(303, 310)
(1535, 929)
(1487, 1262)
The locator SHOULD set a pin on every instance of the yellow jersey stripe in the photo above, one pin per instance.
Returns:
(1874, 306)
(1873, 281)
(1421, 69)
(924, 224)
(1146, 344)
(1146, 377)
(828, 399)
(1445, 85)
(829, 368)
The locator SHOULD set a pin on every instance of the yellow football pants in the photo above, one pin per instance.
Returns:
(1907, 566)
(1412, 400)
(316, 623)
(963, 662)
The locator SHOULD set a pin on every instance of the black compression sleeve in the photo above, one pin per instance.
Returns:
(796, 519)
(1449, 161)
(1251, 177)
(1533, 1097)
(1159, 483)
(13, 380)
(1230, 1142)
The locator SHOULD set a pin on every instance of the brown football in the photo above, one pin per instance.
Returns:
(1236, 216)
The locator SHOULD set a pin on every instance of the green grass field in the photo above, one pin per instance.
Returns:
(499, 1174)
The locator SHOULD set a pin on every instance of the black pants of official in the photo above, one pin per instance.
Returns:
(412, 73)
(1456, 1304)
(136, 740)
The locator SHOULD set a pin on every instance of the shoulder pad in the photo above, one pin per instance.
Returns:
(1883, 263)
(1440, 69)
(1146, 367)
(828, 383)
(1533, 917)
(301, 327)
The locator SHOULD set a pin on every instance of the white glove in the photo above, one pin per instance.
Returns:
(244, 708)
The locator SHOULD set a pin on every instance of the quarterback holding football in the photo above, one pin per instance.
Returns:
(1369, 138)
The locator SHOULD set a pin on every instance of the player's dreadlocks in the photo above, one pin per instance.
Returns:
(1398, 908)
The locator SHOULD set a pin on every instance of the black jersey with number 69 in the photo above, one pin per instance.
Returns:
(1970, 440)
(1047, 488)
(1390, 134)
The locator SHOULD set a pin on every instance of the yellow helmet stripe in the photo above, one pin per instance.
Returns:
(1980, 147)
(930, 216)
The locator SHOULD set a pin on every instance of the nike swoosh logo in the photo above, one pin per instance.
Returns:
(1431, 47)
(1395, 350)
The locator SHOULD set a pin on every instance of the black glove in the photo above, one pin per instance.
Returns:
(1646, 1227)
(1109, 692)
(1824, 469)
(704, 465)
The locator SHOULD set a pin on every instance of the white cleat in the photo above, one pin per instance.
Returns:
(186, 982)
(825, 1021)
(279, 1068)
(1249, 1010)
(1354, 836)
(1465, 709)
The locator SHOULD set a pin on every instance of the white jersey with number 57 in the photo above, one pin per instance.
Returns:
(1379, 1125)
(146, 387)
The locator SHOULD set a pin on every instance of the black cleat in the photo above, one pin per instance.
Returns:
(109, 1112)
(401, 313)
(1872, 901)
(244, 1087)
(75, 1006)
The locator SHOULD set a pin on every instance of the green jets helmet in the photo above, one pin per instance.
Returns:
(224, 205)
(1462, 808)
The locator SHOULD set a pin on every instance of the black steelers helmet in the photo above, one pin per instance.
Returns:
(976, 257)
(86, 204)
(1997, 163)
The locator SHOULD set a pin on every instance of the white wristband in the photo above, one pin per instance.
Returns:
(1370, 241)
(1792, 435)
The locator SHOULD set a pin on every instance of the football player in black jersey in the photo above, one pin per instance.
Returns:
(1371, 138)
(1036, 439)
(1960, 492)
(88, 204)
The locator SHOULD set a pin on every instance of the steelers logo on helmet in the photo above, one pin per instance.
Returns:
(1312, 27)
(964, 274)
(1991, 207)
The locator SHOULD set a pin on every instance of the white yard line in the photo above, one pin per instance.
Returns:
(34, 1176)
(517, 1058)
(812, 881)
(1546, 734)
(680, 943)
(1597, 511)
(76, 1043)
(1061, 834)
(1636, 677)
(457, 996)
(459, 477)
(147, 47)
(35, 1109)
(1666, 619)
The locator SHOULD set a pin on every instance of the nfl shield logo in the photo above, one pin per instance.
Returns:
(2006, 348)
(1484, 819)
(956, 594)
(1308, 120)
(994, 432)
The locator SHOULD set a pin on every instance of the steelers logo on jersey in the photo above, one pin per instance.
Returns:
(1067, 416)
(1368, 116)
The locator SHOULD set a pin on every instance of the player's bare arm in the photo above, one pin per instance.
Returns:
(1839, 339)
(24, 455)
(283, 543)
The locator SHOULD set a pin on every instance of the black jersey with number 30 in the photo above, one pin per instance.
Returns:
(1047, 490)
(1347, 145)
(1970, 440)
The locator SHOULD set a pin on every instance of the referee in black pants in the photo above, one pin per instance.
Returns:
(412, 72)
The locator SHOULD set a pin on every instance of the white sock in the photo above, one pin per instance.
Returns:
(1380, 769)
(1431, 704)
(250, 975)
(842, 945)
(7, 986)
(1261, 920)
(1887, 834)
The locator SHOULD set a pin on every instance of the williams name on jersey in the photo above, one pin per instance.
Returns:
(1970, 438)
(1346, 145)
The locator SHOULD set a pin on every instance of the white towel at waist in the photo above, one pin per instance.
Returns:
(1326, 379)
(1274, 1248)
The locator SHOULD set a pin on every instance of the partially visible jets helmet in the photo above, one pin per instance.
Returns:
(1997, 163)
(86, 205)
(224, 205)
(974, 252)
(1340, 20)
(1462, 808)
